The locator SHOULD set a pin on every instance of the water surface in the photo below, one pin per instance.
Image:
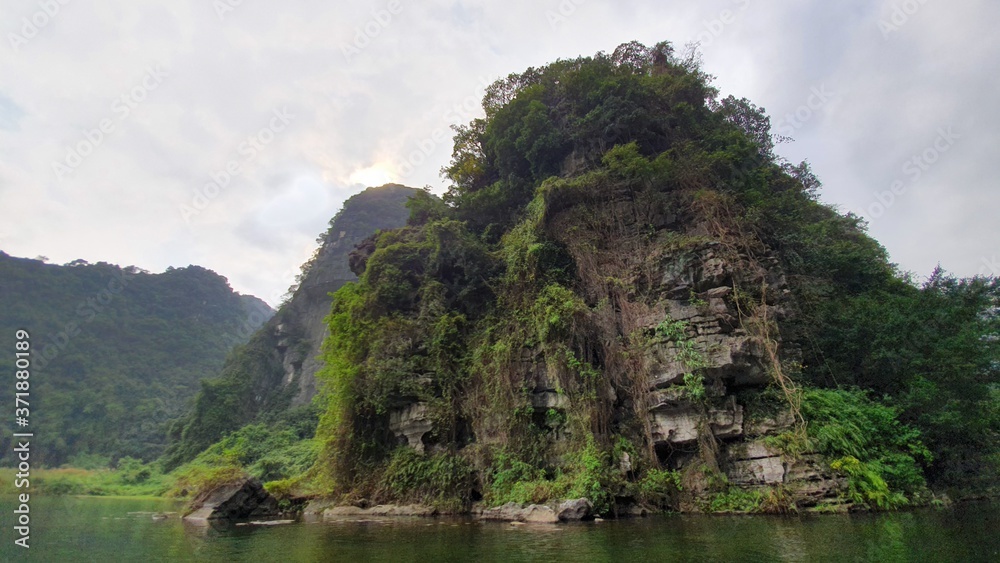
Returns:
(99, 529)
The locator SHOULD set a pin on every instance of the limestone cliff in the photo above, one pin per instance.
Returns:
(276, 370)
(696, 314)
(625, 299)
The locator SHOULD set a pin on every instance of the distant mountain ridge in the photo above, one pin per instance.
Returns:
(116, 352)
(275, 371)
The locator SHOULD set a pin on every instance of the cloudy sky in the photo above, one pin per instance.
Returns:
(226, 133)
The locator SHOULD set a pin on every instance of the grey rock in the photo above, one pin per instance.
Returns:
(549, 400)
(235, 501)
(750, 450)
(679, 424)
(267, 523)
(761, 471)
(411, 423)
(625, 465)
(718, 292)
(575, 510)
(382, 510)
(778, 423)
(513, 512)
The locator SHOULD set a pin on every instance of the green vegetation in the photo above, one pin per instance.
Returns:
(932, 354)
(766, 500)
(583, 176)
(118, 353)
(439, 480)
(519, 319)
(130, 479)
(868, 443)
(273, 450)
(688, 354)
(251, 386)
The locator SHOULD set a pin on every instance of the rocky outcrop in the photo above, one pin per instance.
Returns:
(754, 464)
(234, 501)
(575, 510)
(410, 424)
(696, 292)
(566, 511)
(679, 422)
(513, 512)
(324, 509)
(300, 330)
(386, 510)
(277, 369)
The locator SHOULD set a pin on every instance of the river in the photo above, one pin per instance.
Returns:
(115, 529)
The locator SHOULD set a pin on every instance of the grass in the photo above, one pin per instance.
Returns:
(101, 482)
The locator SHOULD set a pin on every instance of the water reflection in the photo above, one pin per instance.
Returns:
(72, 529)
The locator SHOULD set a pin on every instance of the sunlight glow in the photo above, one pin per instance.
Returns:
(374, 175)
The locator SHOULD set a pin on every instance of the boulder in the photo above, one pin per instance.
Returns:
(240, 500)
(513, 512)
(566, 511)
(575, 510)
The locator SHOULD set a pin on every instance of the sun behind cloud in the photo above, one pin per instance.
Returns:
(375, 175)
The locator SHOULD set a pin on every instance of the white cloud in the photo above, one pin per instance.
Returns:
(359, 118)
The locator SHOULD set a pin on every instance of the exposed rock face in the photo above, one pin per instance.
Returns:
(411, 423)
(678, 423)
(696, 288)
(300, 330)
(754, 464)
(277, 368)
(236, 501)
(681, 289)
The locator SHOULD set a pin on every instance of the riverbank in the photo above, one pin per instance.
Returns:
(181, 487)
(91, 482)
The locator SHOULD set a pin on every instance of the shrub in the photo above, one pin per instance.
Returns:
(880, 455)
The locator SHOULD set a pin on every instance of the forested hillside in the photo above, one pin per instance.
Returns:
(271, 380)
(625, 295)
(118, 353)
(628, 296)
